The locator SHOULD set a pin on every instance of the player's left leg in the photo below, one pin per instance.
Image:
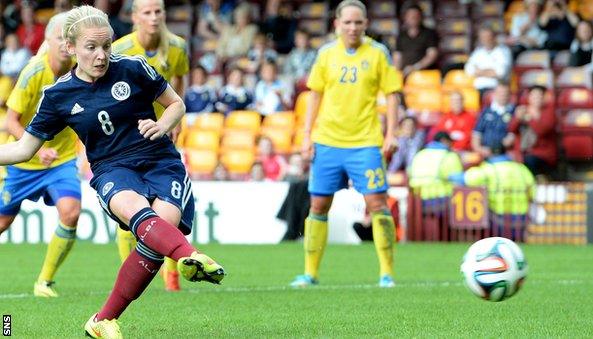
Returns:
(383, 235)
(366, 168)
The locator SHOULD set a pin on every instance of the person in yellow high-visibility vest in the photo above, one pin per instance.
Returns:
(430, 171)
(510, 187)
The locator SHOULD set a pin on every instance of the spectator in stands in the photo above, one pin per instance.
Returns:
(220, 173)
(458, 122)
(492, 126)
(430, 171)
(234, 96)
(14, 57)
(416, 46)
(257, 172)
(274, 165)
(510, 188)
(236, 39)
(582, 45)
(489, 63)
(525, 32)
(409, 142)
(260, 53)
(199, 97)
(295, 171)
(559, 22)
(31, 33)
(299, 61)
(213, 15)
(534, 125)
(280, 23)
(121, 24)
(271, 94)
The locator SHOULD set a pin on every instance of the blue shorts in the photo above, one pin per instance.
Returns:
(52, 184)
(163, 178)
(332, 166)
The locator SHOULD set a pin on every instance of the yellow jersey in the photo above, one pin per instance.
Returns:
(177, 58)
(350, 80)
(24, 99)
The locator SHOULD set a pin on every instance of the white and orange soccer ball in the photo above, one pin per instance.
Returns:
(494, 268)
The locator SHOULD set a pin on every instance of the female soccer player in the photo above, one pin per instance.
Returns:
(348, 142)
(167, 53)
(52, 172)
(138, 175)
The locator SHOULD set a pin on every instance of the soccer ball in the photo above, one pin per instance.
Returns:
(494, 268)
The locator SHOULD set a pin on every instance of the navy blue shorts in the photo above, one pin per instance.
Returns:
(52, 184)
(163, 178)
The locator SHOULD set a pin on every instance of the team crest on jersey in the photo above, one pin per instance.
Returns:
(120, 90)
(364, 64)
(108, 186)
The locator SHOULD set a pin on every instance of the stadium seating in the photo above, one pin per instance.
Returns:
(285, 120)
(457, 79)
(569, 98)
(585, 9)
(385, 26)
(281, 138)
(451, 9)
(454, 26)
(206, 140)
(382, 9)
(455, 44)
(247, 120)
(209, 121)
(532, 59)
(300, 107)
(430, 79)
(488, 9)
(237, 139)
(238, 162)
(561, 61)
(577, 135)
(200, 162)
(574, 77)
(541, 77)
(471, 99)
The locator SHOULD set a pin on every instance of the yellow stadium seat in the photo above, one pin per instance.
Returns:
(300, 107)
(427, 99)
(456, 79)
(238, 161)
(284, 120)
(234, 139)
(247, 120)
(209, 121)
(281, 138)
(424, 79)
(208, 140)
(201, 162)
(471, 99)
(298, 139)
(585, 9)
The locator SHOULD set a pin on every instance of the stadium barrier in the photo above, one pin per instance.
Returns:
(558, 214)
(226, 212)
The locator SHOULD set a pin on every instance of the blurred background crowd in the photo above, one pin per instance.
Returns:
(488, 73)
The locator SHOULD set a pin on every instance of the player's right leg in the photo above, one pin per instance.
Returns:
(327, 177)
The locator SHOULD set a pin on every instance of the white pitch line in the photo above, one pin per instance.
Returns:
(279, 288)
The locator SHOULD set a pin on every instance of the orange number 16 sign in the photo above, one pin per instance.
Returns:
(469, 208)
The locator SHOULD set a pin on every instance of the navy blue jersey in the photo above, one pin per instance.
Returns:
(105, 113)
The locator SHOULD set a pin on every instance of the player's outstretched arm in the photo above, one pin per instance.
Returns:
(21, 150)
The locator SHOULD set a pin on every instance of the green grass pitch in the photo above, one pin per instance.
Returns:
(255, 300)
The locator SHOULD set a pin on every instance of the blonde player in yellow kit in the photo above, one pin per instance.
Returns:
(347, 141)
(167, 53)
(52, 173)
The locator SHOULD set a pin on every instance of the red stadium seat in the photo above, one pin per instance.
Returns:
(569, 98)
(451, 9)
(549, 97)
(577, 135)
(383, 9)
(456, 26)
(532, 59)
(574, 77)
(561, 61)
(489, 9)
(541, 77)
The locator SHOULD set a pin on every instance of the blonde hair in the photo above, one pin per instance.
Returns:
(163, 49)
(57, 19)
(353, 3)
(83, 17)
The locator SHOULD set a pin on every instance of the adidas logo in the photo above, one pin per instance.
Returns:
(76, 109)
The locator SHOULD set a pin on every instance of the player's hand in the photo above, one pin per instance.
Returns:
(307, 150)
(151, 129)
(47, 156)
(389, 146)
(174, 134)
